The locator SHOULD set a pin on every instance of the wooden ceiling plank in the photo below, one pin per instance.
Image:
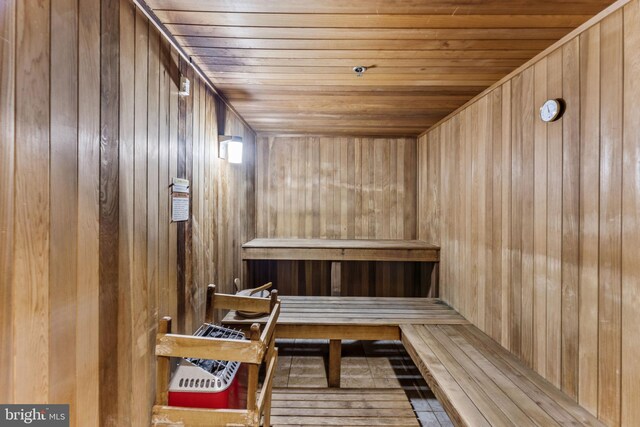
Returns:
(346, 44)
(348, 62)
(259, 70)
(350, 77)
(383, 6)
(362, 55)
(366, 33)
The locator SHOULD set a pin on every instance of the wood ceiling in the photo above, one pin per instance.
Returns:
(286, 65)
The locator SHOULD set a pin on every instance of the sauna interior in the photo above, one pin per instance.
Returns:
(444, 196)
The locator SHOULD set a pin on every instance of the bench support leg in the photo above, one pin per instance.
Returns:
(335, 356)
(336, 285)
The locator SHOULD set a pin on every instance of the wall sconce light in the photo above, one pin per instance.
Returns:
(185, 86)
(230, 148)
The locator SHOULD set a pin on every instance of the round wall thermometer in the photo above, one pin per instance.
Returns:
(551, 110)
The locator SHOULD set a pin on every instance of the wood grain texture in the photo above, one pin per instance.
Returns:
(630, 223)
(609, 307)
(63, 192)
(88, 254)
(7, 206)
(344, 210)
(251, 47)
(570, 190)
(87, 337)
(465, 365)
(31, 225)
(589, 216)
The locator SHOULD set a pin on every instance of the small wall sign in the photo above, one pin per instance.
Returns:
(179, 200)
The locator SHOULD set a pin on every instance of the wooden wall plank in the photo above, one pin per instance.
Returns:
(140, 285)
(126, 206)
(506, 207)
(7, 206)
(567, 283)
(589, 220)
(109, 243)
(528, 116)
(570, 216)
(495, 283)
(554, 225)
(88, 292)
(346, 182)
(630, 392)
(609, 307)
(32, 234)
(540, 224)
(63, 193)
(153, 205)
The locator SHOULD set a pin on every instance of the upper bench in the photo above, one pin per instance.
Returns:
(340, 250)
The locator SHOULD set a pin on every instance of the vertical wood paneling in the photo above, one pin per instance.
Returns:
(630, 220)
(570, 216)
(540, 224)
(554, 225)
(89, 131)
(362, 187)
(31, 226)
(568, 277)
(109, 230)
(63, 183)
(7, 207)
(609, 307)
(88, 293)
(589, 223)
(126, 199)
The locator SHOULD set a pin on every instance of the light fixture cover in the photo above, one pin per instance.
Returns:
(234, 150)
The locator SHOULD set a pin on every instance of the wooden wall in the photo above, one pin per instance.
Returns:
(336, 187)
(91, 131)
(539, 223)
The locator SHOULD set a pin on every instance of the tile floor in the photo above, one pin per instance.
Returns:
(365, 364)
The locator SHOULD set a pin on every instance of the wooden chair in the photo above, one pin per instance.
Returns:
(259, 349)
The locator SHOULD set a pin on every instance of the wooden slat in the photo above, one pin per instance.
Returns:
(64, 201)
(366, 34)
(609, 307)
(88, 292)
(631, 227)
(168, 415)
(377, 6)
(342, 407)
(498, 385)
(7, 205)
(201, 348)
(31, 227)
(369, 21)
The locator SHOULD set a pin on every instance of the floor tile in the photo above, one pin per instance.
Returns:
(428, 419)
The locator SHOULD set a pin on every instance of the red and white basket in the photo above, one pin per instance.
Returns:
(215, 384)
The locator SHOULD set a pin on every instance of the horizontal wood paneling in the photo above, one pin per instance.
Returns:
(565, 194)
(336, 187)
(89, 130)
(260, 47)
(379, 279)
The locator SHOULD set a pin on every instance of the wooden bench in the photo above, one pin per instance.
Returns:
(351, 318)
(479, 383)
(340, 250)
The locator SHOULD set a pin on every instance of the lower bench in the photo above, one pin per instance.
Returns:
(479, 383)
(350, 318)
